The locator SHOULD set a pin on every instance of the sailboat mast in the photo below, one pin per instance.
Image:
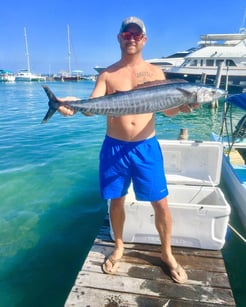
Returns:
(27, 51)
(69, 50)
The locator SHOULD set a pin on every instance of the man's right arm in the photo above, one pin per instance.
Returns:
(100, 88)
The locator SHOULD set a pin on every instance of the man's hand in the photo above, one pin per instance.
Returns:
(66, 110)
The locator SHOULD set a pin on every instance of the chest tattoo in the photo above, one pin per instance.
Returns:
(144, 76)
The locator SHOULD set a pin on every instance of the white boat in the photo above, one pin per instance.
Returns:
(6, 76)
(25, 74)
(165, 63)
(99, 69)
(176, 59)
(226, 51)
(234, 158)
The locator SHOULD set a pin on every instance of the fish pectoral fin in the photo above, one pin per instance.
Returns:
(185, 92)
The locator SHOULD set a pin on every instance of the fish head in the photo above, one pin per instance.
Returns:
(206, 94)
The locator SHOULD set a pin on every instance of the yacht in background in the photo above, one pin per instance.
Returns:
(99, 69)
(176, 59)
(223, 53)
(165, 63)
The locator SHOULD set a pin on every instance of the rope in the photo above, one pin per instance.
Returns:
(237, 233)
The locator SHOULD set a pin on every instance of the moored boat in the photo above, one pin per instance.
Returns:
(99, 69)
(26, 75)
(6, 76)
(175, 59)
(234, 158)
(226, 52)
(76, 75)
(165, 63)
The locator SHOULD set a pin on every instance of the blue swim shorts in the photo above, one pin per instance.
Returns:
(140, 162)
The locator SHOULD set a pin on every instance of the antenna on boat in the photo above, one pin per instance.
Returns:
(242, 28)
(27, 51)
(69, 50)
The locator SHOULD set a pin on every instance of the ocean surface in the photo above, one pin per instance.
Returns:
(50, 208)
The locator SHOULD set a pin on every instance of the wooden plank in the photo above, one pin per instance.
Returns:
(93, 298)
(140, 280)
(213, 275)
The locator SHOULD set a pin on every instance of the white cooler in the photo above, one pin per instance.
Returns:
(200, 212)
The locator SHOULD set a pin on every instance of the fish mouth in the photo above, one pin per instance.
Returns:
(218, 93)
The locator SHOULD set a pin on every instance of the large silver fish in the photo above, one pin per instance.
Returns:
(152, 97)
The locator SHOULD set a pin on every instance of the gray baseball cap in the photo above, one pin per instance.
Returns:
(132, 20)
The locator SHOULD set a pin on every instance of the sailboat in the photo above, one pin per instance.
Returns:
(25, 74)
(75, 75)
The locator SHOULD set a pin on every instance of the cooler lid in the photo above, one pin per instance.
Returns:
(192, 162)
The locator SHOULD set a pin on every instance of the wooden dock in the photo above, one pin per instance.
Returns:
(140, 281)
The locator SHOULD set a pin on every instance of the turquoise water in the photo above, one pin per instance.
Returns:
(51, 210)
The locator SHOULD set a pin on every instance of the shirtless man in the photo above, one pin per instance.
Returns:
(130, 151)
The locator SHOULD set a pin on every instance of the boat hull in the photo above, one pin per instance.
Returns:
(234, 184)
(236, 190)
(72, 78)
(7, 78)
(25, 75)
(30, 79)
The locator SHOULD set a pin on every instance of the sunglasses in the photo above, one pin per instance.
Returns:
(137, 36)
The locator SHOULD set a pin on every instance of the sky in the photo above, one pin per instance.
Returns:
(171, 26)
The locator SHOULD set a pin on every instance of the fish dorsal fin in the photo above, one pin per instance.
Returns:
(184, 91)
(160, 82)
(154, 83)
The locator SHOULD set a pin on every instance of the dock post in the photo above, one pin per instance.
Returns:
(214, 104)
(183, 134)
(204, 77)
(227, 78)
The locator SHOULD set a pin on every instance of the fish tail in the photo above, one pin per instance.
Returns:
(52, 103)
